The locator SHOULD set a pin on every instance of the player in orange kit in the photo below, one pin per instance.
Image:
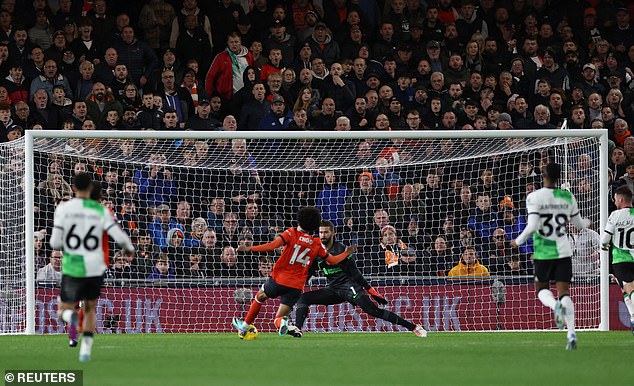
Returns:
(302, 246)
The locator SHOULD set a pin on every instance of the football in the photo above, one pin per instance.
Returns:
(251, 333)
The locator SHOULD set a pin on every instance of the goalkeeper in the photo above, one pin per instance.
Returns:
(345, 284)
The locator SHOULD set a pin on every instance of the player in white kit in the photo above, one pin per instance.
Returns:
(619, 231)
(549, 211)
(78, 229)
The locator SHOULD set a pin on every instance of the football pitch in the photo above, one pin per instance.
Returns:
(334, 359)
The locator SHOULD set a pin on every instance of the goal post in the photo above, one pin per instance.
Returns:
(277, 161)
(605, 264)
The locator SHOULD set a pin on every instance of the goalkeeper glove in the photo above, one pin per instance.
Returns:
(376, 296)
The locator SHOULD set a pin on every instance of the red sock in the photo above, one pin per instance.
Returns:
(253, 311)
(80, 327)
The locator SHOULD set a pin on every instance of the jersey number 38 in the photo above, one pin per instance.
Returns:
(558, 226)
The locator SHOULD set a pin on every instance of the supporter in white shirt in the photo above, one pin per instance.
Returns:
(53, 270)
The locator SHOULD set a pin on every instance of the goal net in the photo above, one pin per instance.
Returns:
(432, 218)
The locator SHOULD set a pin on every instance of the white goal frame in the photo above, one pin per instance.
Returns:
(31, 135)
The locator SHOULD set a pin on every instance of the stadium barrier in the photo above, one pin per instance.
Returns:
(462, 307)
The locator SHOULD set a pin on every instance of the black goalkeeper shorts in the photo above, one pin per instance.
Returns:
(288, 296)
(555, 270)
(75, 289)
(624, 272)
(349, 291)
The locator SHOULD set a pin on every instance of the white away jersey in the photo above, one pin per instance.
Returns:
(555, 207)
(620, 228)
(78, 229)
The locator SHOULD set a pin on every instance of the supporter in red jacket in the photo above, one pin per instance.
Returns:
(225, 75)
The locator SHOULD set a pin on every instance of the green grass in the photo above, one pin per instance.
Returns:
(334, 359)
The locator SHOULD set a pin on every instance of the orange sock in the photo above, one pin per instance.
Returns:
(278, 321)
(253, 311)
(80, 327)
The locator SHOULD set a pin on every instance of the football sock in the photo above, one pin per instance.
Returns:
(80, 326)
(301, 311)
(67, 315)
(393, 318)
(547, 298)
(86, 343)
(569, 313)
(629, 304)
(278, 321)
(253, 311)
(371, 309)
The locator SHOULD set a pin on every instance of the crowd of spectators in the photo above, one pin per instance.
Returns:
(314, 65)
(189, 211)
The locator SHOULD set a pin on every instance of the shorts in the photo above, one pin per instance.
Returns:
(288, 296)
(75, 289)
(349, 292)
(555, 270)
(624, 272)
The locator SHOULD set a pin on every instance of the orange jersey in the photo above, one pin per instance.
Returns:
(300, 251)
(106, 249)
(105, 246)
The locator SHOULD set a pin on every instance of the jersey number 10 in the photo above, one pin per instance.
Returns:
(626, 238)
(300, 257)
